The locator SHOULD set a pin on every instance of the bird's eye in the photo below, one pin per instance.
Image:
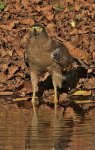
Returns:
(38, 29)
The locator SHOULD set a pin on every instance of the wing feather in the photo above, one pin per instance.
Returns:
(61, 56)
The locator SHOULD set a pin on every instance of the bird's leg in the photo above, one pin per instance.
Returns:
(34, 81)
(55, 93)
(55, 98)
(57, 82)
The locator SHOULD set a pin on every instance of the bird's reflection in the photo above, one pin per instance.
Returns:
(34, 109)
(42, 130)
(46, 130)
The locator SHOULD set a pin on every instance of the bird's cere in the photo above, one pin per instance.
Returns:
(36, 28)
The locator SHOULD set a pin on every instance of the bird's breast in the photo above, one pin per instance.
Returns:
(40, 57)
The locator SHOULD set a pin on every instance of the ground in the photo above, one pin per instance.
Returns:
(72, 22)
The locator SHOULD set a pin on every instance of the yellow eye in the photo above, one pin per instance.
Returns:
(38, 29)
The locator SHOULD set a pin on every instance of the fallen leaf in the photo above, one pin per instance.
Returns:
(77, 7)
(49, 15)
(73, 32)
(46, 8)
(21, 99)
(9, 25)
(89, 83)
(3, 77)
(84, 101)
(50, 26)
(93, 54)
(81, 92)
(27, 21)
(6, 93)
(25, 3)
(13, 69)
(38, 8)
(35, 1)
(92, 46)
(2, 5)
(10, 53)
(20, 52)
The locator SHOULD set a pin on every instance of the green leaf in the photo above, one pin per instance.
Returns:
(70, 7)
(2, 5)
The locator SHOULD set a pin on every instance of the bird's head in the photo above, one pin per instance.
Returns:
(38, 31)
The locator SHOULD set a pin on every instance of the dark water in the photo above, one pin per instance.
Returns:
(20, 129)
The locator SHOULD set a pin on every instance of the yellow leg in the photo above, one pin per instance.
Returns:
(34, 108)
(56, 79)
(55, 94)
(55, 83)
(34, 81)
(55, 99)
(33, 96)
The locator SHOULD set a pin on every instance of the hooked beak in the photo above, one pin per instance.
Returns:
(35, 32)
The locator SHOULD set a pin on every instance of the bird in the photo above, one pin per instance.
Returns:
(45, 54)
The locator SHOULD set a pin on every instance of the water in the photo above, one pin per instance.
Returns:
(20, 129)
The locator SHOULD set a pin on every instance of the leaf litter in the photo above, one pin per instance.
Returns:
(68, 21)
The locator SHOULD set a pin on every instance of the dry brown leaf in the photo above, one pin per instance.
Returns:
(93, 54)
(77, 7)
(28, 86)
(4, 66)
(10, 53)
(93, 28)
(46, 8)
(92, 46)
(74, 31)
(89, 83)
(25, 3)
(20, 74)
(38, 8)
(49, 15)
(75, 40)
(21, 64)
(20, 52)
(35, 1)
(3, 53)
(50, 26)
(9, 25)
(18, 6)
(6, 93)
(27, 21)
(24, 40)
(13, 69)
(3, 77)
(21, 99)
